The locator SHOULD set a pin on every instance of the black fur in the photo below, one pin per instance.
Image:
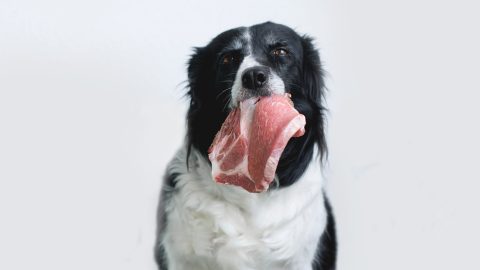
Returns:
(326, 255)
(301, 73)
(209, 92)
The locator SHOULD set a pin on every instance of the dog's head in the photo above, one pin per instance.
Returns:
(256, 61)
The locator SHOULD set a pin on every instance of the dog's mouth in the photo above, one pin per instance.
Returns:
(245, 94)
(247, 149)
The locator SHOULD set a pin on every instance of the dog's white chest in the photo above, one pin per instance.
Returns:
(221, 227)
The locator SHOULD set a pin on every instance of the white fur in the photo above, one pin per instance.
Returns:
(275, 84)
(213, 226)
(248, 38)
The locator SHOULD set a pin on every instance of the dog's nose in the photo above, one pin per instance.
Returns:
(255, 77)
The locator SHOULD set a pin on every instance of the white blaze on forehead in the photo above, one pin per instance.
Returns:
(248, 39)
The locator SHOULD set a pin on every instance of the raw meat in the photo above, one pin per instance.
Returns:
(246, 150)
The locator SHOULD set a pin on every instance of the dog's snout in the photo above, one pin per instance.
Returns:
(255, 77)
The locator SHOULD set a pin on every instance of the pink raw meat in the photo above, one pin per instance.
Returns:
(246, 150)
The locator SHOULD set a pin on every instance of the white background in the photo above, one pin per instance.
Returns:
(91, 109)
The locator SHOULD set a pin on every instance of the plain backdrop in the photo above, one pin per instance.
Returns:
(92, 109)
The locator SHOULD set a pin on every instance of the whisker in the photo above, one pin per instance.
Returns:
(226, 81)
(232, 74)
(223, 92)
(229, 99)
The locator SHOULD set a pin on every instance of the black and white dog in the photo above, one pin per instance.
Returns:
(205, 225)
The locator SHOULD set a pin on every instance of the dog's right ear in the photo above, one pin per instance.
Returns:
(201, 112)
(198, 79)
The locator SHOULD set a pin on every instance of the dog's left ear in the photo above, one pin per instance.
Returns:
(314, 88)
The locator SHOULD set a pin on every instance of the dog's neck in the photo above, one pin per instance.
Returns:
(311, 182)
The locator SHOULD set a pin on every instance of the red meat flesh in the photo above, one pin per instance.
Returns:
(246, 150)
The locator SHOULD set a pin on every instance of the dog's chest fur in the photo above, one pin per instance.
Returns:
(210, 226)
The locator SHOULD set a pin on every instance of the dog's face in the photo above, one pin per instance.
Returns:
(261, 60)
(257, 61)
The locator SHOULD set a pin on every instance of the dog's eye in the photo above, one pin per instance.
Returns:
(228, 58)
(280, 52)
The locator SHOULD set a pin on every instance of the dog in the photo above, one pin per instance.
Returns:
(206, 225)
